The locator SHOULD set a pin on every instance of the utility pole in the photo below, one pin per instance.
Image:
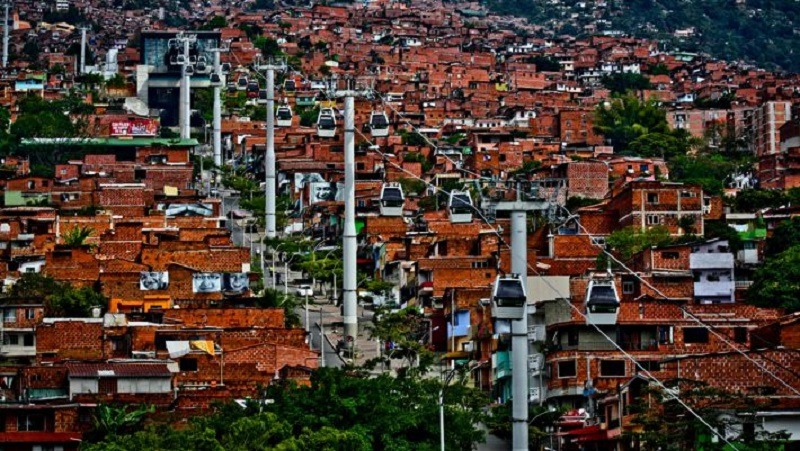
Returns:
(6, 5)
(272, 64)
(519, 328)
(363, 88)
(83, 50)
(187, 69)
(217, 82)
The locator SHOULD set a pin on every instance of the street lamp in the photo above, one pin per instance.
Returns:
(448, 378)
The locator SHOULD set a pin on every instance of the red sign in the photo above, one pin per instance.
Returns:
(135, 127)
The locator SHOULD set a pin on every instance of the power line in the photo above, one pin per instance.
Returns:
(693, 317)
(566, 299)
(494, 230)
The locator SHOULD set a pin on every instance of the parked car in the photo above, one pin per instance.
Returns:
(305, 290)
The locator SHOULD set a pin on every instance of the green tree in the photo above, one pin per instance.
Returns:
(620, 83)
(545, 63)
(76, 236)
(117, 81)
(408, 332)
(776, 283)
(664, 424)
(109, 421)
(270, 47)
(785, 236)
(626, 119)
(31, 51)
(629, 241)
(73, 302)
(273, 298)
(720, 229)
(215, 23)
(708, 171)
(340, 410)
(34, 286)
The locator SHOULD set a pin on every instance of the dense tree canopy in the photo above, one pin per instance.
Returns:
(60, 298)
(622, 82)
(759, 31)
(339, 411)
(625, 119)
(777, 282)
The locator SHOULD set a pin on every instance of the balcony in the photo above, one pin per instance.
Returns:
(605, 345)
(711, 261)
(714, 289)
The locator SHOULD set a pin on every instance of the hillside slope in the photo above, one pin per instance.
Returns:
(763, 32)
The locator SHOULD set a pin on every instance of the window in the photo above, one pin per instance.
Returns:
(740, 334)
(695, 335)
(644, 168)
(27, 340)
(27, 423)
(653, 219)
(10, 315)
(572, 337)
(567, 369)
(480, 265)
(670, 255)
(628, 287)
(30, 313)
(11, 339)
(650, 365)
(612, 368)
(187, 365)
(652, 198)
(688, 194)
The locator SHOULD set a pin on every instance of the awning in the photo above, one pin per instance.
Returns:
(457, 355)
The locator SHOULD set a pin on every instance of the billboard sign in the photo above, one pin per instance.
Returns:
(134, 127)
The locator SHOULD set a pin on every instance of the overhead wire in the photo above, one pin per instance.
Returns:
(480, 213)
(668, 392)
(594, 242)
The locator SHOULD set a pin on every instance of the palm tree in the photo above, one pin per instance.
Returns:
(112, 421)
(76, 236)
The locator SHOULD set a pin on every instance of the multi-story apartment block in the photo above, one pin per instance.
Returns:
(678, 207)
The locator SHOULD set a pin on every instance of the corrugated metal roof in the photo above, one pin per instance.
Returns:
(118, 370)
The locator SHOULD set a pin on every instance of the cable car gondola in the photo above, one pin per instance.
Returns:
(508, 297)
(241, 83)
(379, 124)
(392, 199)
(252, 90)
(602, 301)
(283, 116)
(289, 85)
(460, 207)
(326, 123)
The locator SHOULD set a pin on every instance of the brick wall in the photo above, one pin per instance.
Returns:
(227, 317)
(70, 339)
